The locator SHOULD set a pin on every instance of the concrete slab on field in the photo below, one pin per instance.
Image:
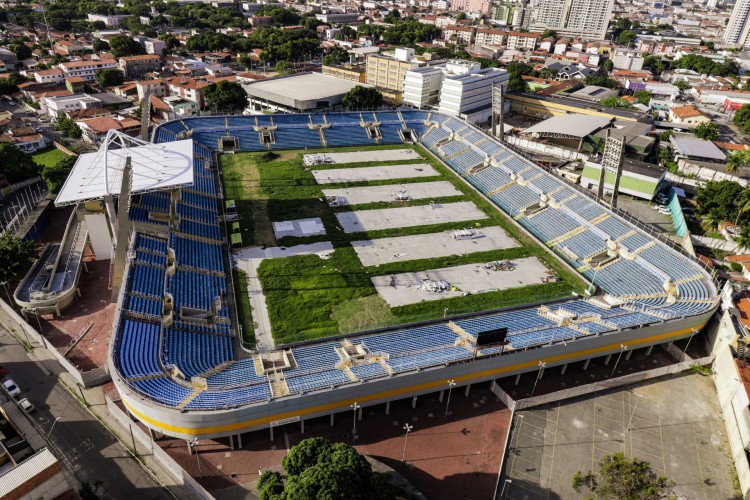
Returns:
(383, 172)
(429, 246)
(361, 156)
(385, 218)
(403, 289)
(676, 426)
(299, 228)
(372, 194)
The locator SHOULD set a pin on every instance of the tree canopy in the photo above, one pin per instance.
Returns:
(622, 479)
(225, 96)
(706, 66)
(109, 77)
(55, 175)
(15, 256)
(15, 164)
(742, 118)
(317, 468)
(123, 46)
(643, 96)
(362, 98)
(709, 131)
(720, 199)
(68, 126)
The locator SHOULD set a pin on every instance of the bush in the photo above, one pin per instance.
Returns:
(736, 267)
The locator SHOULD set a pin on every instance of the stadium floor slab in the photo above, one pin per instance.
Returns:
(428, 246)
(387, 218)
(402, 289)
(380, 173)
(362, 156)
(372, 194)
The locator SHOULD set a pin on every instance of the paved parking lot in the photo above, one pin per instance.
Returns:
(415, 191)
(673, 423)
(384, 172)
(422, 215)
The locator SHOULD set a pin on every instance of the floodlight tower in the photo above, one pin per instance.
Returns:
(498, 122)
(612, 158)
(121, 228)
(145, 112)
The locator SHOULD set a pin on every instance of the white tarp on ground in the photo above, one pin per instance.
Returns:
(155, 167)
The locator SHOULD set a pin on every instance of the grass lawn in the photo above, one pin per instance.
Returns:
(309, 297)
(244, 311)
(48, 157)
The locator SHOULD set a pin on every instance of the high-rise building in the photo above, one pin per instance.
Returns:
(738, 27)
(471, 93)
(386, 72)
(588, 18)
(422, 85)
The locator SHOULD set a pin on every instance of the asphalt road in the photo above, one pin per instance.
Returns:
(88, 448)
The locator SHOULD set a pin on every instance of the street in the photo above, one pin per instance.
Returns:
(88, 448)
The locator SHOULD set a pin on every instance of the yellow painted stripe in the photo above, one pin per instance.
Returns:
(395, 392)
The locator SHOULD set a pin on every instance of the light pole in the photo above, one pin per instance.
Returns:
(194, 444)
(5, 287)
(623, 348)
(542, 364)
(505, 484)
(451, 383)
(630, 422)
(592, 287)
(355, 406)
(53, 426)
(407, 428)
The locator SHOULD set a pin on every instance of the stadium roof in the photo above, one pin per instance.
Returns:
(571, 125)
(304, 91)
(696, 148)
(155, 166)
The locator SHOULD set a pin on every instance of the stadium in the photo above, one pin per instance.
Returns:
(174, 356)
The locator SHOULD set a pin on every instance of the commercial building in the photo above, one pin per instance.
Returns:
(298, 93)
(353, 73)
(86, 69)
(738, 26)
(422, 85)
(480, 6)
(135, 66)
(109, 21)
(388, 72)
(638, 179)
(587, 18)
(470, 94)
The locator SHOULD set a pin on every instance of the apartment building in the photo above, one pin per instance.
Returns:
(459, 34)
(422, 85)
(135, 66)
(484, 36)
(353, 73)
(54, 75)
(587, 18)
(480, 6)
(520, 40)
(738, 26)
(86, 69)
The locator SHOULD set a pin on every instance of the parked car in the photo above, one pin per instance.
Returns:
(11, 387)
(26, 405)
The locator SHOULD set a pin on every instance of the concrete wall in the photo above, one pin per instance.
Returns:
(548, 149)
(732, 397)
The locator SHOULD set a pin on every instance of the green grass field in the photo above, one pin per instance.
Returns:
(48, 157)
(309, 297)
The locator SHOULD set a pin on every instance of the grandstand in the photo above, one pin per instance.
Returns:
(172, 355)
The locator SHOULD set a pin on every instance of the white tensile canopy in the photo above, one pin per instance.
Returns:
(154, 167)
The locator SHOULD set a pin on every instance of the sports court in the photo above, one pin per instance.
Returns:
(380, 173)
(361, 156)
(393, 192)
(676, 426)
(386, 218)
(410, 288)
(428, 246)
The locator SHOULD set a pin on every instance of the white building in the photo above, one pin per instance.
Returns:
(471, 93)
(57, 104)
(86, 69)
(588, 18)
(422, 85)
(54, 75)
(154, 46)
(738, 27)
(109, 21)
(627, 59)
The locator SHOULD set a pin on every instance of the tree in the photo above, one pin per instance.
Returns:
(608, 65)
(614, 102)
(665, 154)
(461, 16)
(21, 50)
(225, 96)
(548, 34)
(362, 98)
(654, 64)
(622, 479)
(317, 468)
(123, 46)
(283, 68)
(709, 131)
(109, 77)
(15, 164)
(682, 85)
(100, 45)
(68, 126)
(7, 87)
(740, 159)
(718, 196)
(392, 17)
(15, 256)
(743, 239)
(627, 38)
(643, 96)
(55, 175)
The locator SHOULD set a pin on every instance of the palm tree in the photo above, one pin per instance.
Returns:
(738, 160)
(743, 239)
(712, 220)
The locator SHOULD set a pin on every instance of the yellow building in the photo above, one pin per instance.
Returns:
(388, 72)
(353, 73)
